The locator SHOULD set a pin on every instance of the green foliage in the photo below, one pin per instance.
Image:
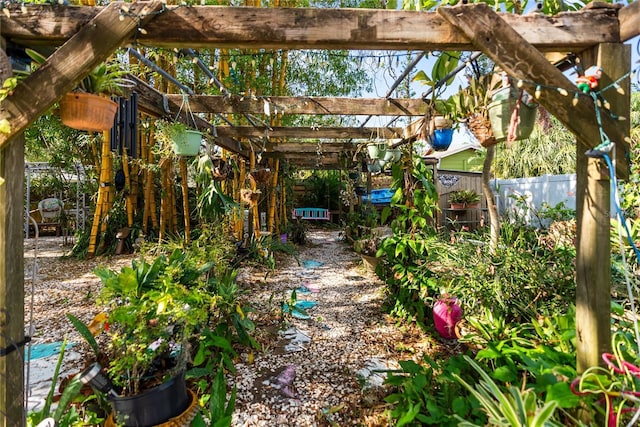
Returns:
(153, 309)
(414, 201)
(64, 413)
(466, 197)
(427, 394)
(322, 190)
(213, 204)
(550, 150)
(517, 408)
(220, 409)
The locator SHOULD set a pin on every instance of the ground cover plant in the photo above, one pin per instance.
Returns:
(517, 362)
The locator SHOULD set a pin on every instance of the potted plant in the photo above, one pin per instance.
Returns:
(182, 140)
(463, 199)
(512, 113)
(88, 107)
(153, 318)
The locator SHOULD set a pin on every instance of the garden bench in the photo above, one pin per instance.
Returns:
(311, 214)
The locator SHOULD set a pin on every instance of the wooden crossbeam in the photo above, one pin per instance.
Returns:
(311, 148)
(312, 28)
(316, 105)
(89, 46)
(309, 132)
(502, 43)
(629, 21)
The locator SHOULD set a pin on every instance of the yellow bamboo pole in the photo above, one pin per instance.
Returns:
(173, 208)
(163, 199)
(185, 200)
(102, 195)
(241, 181)
(146, 206)
(271, 217)
(152, 196)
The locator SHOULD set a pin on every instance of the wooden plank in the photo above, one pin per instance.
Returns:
(90, 46)
(12, 282)
(493, 35)
(629, 21)
(235, 104)
(310, 147)
(308, 132)
(313, 28)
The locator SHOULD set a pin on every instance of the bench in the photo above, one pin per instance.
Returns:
(311, 213)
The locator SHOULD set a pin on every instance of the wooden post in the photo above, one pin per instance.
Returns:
(593, 198)
(11, 278)
(185, 199)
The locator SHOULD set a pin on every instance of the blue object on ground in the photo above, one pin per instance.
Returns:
(309, 263)
(303, 290)
(38, 351)
(304, 305)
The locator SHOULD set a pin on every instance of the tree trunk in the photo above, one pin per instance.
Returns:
(494, 220)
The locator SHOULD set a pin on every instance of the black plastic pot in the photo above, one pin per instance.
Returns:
(154, 406)
(361, 191)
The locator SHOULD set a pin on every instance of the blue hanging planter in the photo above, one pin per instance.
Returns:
(441, 139)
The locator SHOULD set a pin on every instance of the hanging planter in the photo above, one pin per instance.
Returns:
(481, 128)
(509, 114)
(261, 175)
(392, 155)
(249, 196)
(441, 139)
(440, 133)
(86, 111)
(376, 150)
(220, 169)
(186, 142)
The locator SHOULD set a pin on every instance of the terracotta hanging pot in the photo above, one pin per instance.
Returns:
(86, 111)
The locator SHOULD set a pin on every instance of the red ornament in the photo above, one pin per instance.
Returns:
(446, 314)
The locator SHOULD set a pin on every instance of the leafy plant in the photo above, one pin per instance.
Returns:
(518, 408)
(465, 197)
(220, 409)
(427, 394)
(154, 310)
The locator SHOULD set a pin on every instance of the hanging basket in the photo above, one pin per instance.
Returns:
(86, 111)
(261, 175)
(501, 110)
(187, 142)
(220, 169)
(441, 139)
(376, 150)
(480, 127)
(249, 196)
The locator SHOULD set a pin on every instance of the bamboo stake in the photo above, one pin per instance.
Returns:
(163, 200)
(254, 206)
(241, 179)
(273, 197)
(152, 196)
(173, 208)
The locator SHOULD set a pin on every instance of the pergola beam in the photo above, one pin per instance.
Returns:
(235, 104)
(309, 132)
(311, 28)
(90, 46)
(629, 21)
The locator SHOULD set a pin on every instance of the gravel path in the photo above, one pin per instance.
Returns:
(318, 371)
(333, 351)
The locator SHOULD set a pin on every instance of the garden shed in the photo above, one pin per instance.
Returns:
(526, 47)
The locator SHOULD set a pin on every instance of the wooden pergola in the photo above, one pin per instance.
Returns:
(522, 45)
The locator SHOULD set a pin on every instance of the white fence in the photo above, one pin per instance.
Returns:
(522, 197)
